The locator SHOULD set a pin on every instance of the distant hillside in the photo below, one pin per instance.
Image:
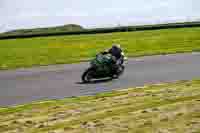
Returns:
(73, 29)
(65, 28)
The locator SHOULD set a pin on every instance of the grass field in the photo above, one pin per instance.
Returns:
(164, 108)
(17, 53)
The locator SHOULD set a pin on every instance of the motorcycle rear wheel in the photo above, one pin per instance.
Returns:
(119, 73)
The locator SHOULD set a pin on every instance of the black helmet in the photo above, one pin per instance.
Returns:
(116, 46)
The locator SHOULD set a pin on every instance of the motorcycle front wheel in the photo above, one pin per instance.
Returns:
(88, 75)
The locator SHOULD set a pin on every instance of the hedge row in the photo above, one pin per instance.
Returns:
(105, 30)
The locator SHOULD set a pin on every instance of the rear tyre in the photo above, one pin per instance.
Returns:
(88, 75)
(119, 72)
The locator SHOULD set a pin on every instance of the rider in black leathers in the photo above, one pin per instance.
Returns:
(116, 52)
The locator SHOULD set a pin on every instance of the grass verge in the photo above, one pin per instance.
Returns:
(30, 52)
(169, 107)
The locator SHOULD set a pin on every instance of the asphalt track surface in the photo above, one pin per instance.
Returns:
(59, 81)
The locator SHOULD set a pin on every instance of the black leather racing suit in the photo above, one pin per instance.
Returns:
(116, 53)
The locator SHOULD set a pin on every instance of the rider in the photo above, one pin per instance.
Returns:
(116, 52)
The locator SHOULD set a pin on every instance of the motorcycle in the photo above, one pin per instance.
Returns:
(101, 67)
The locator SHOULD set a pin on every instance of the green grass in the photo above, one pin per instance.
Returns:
(170, 107)
(30, 52)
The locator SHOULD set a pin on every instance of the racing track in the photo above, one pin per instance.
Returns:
(58, 81)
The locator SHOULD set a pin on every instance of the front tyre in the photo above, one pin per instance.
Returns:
(88, 75)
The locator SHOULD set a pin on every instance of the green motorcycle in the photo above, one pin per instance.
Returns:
(101, 67)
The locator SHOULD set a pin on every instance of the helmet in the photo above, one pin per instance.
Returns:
(116, 46)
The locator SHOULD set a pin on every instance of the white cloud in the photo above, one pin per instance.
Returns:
(33, 13)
